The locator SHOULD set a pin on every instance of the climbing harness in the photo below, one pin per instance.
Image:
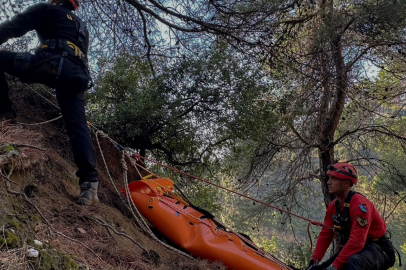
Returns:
(342, 218)
(63, 48)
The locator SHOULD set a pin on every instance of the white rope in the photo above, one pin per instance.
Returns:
(132, 207)
(42, 123)
(35, 91)
(140, 220)
(148, 230)
(104, 160)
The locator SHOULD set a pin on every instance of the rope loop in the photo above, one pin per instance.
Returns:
(123, 164)
(103, 135)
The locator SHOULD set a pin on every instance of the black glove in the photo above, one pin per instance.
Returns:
(311, 263)
(314, 266)
(317, 267)
(321, 267)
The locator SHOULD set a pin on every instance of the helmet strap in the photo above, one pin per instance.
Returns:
(342, 191)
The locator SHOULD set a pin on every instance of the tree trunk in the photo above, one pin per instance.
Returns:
(335, 108)
(332, 114)
(326, 158)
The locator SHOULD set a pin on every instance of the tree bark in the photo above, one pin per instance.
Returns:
(333, 112)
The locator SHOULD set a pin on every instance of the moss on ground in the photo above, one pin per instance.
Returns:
(15, 224)
(6, 149)
(10, 232)
(53, 259)
(16, 230)
(73, 179)
(9, 240)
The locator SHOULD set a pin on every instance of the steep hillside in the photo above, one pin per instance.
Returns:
(38, 189)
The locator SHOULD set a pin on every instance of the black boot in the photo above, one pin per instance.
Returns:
(88, 193)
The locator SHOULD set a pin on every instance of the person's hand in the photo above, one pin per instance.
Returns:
(317, 267)
(311, 264)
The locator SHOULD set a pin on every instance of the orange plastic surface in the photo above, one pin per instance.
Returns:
(199, 236)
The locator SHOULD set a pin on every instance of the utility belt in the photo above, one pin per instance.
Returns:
(383, 242)
(345, 236)
(66, 48)
(57, 63)
(380, 239)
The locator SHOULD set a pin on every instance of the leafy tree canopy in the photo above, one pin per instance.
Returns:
(189, 112)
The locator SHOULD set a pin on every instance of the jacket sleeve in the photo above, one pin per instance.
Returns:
(325, 236)
(361, 217)
(22, 23)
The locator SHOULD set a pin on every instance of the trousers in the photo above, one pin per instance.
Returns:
(70, 97)
(374, 256)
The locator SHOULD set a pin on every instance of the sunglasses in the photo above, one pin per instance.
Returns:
(332, 168)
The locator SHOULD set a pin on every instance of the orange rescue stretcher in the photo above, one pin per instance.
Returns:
(194, 231)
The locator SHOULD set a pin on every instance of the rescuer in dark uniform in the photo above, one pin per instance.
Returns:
(61, 63)
(364, 243)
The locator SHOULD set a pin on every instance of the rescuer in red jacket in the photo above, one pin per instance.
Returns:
(359, 227)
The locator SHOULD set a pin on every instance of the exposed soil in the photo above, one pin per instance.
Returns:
(38, 189)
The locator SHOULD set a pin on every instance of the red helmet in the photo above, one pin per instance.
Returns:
(343, 170)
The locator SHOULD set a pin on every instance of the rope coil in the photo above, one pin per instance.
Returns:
(123, 164)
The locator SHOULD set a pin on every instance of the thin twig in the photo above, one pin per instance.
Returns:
(42, 123)
(46, 221)
(26, 145)
(102, 223)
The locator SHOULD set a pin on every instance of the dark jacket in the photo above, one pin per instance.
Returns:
(49, 21)
(56, 26)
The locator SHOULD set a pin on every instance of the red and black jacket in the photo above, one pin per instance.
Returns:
(364, 223)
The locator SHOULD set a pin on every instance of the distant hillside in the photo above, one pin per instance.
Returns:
(38, 189)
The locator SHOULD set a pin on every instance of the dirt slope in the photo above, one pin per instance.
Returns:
(38, 189)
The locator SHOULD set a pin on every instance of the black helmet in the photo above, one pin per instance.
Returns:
(75, 3)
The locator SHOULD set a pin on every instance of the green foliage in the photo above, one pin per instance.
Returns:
(291, 253)
(270, 245)
(189, 113)
(271, 134)
(203, 196)
(298, 254)
(8, 148)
